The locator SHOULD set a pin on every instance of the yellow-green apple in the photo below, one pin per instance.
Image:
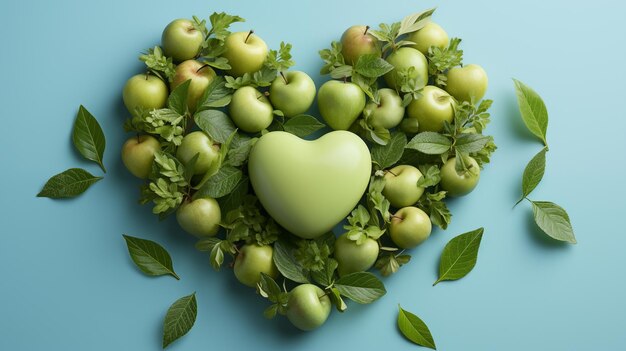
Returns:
(340, 103)
(401, 60)
(138, 154)
(386, 114)
(144, 91)
(459, 184)
(401, 186)
(251, 261)
(356, 41)
(409, 227)
(251, 110)
(198, 143)
(245, 51)
(308, 307)
(467, 83)
(292, 93)
(353, 257)
(181, 40)
(432, 108)
(200, 217)
(201, 76)
(430, 35)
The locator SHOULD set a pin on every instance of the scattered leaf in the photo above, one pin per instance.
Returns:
(414, 329)
(459, 256)
(150, 257)
(179, 319)
(553, 220)
(88, 137)
(69, 183)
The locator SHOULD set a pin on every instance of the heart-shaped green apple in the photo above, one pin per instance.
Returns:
(309, 186)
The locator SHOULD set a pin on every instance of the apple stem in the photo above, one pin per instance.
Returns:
(395, 175)
(248, 36)
(366, 29)
(201, 67)
(284, 77)
(398, 217)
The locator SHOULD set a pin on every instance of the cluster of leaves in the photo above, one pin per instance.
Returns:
(89, 141)
(441, 60)
(551, 218)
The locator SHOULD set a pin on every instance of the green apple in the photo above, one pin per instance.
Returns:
(353, 257)
(340, 103)
(200, 217)
(138, 154)
(292, 93)
(430, 35)
(459, 184)
(409, 227)
(308, 307)
(402, 59)
(181, 40)
(144, 91)
(356, 41)
(250, 110)
(401, 186)
(309, 186)
(198, 143)
(409, 125)
(388, 113)
(467, 83)
(251, 261)
(245, 51)
(201, 76)
(433, 108)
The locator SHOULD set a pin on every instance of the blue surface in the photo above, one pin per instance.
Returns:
(68, 284)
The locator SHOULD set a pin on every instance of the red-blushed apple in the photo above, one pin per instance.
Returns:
(181, 40)
(138, 154)
(198, 143)
(251, 261)
(200, 217)
(144, 91)
(308, 307)
(201, 76)
(356, 41)
(245, 51)
(250, 110)
(409, 227)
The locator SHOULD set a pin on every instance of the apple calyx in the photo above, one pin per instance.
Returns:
(248, 36)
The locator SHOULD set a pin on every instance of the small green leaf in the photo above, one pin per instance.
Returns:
(69, 183)
(414, 329)
(88, 137)
(430, 143)
(335, 297)
(177, 100)
(268, 288)
(235, 197)
(387, 155)
(221, 183)
(287, 264)
(179, 319)
(215, 95)
(216, 124)
(416, 21)
(372, 66)
(150, 257)
(361, 287)
(470, 143)
(459, 256)
(533, 110)
(533, 173)
(303, 125)
(553, 220)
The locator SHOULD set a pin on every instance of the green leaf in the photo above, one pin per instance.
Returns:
(326, 275)
(361, 287)
(287, 264)
(430, 176)
(430, 143)
(216, 124)
(268, 287)
(414, 329)
(341, 72)
(215, 95)
(533, 110)
(372, 66)
(69, 183)
(150, 257)
(236, 196)
(158, 63)
(221, 183)
(303, 125)
(459, 256)
(387, 155)
(533, 173)
(177, 100)
(238, 155)
(470, 143)
(335, 297)
(553, 220)
(179, 319)
(416, 21)
(88, 137)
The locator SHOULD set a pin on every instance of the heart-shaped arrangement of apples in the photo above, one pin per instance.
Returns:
(219, 121)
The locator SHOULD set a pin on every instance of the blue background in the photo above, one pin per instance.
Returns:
(67, 282)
